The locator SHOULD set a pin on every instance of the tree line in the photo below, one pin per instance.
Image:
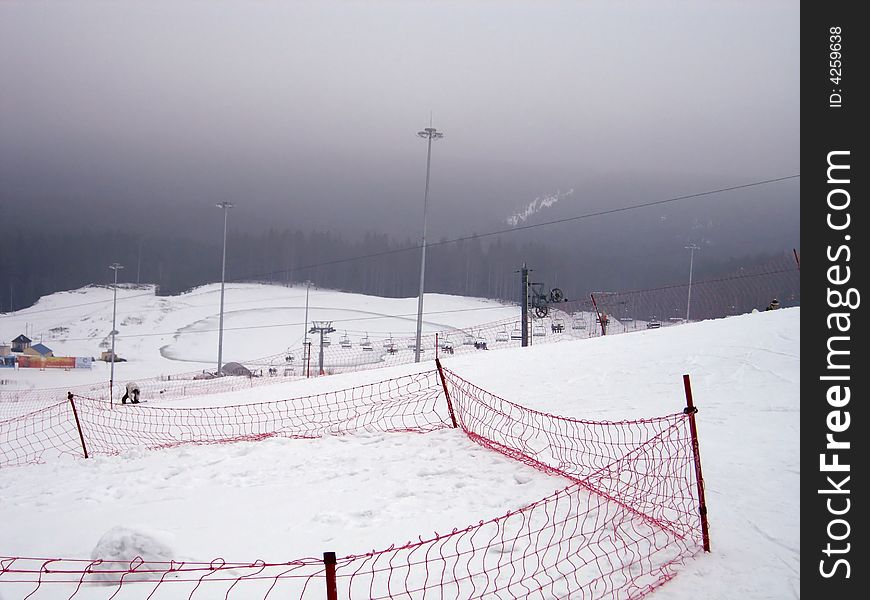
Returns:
(35, 264)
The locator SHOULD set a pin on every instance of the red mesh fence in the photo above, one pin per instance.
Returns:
(409, 403)
(38, 436)
(738, 293)
(52, 578)
(627, 517)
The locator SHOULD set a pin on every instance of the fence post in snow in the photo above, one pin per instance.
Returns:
(690, 410)
(436, 345)
(446, 393)
(331, 584)
(600, 319)
(69, 396)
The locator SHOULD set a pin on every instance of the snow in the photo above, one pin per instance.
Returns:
(282, 498)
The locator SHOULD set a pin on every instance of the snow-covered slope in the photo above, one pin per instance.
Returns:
(174, 334)
(279, 498)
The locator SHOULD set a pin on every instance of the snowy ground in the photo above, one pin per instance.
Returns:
(178, 334)
(288, 498)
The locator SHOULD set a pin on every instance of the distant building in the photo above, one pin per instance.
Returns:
(106, 356)
(20, 343)
(38, 350)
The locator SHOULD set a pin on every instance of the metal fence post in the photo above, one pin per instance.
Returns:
(446, 393)
(69, 397)
(331, 584)
(690, 410)
(600, 318)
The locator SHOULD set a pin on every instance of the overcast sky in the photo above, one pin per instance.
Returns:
(304, 114)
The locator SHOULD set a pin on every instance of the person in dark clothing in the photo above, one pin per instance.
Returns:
(774, 304)
(131, 394)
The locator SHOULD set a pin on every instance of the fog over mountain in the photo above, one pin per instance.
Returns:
(136, 117)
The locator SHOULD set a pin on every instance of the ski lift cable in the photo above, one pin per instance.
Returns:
(524, 227)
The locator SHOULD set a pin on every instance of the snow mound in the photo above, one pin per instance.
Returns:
(122, 548)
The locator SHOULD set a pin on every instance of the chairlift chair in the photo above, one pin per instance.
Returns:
(502, 336)
(578, 322)
(366, 343)
(517, 333)
(468, 340)
(538, 330)
(344, 342)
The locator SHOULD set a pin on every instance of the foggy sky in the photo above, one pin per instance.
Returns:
(304, 114)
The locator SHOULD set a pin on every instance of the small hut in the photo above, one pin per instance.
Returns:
(20, 343)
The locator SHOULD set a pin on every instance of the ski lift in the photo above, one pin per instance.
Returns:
(468, 340)
(502, 336)
(389, 343)
(390, 347)
(480, 340)
(517, 333)
(344, 342)
(578, 322)
(326, 341)
(538, 330)
(557, 326)
(366, 343)
(654, 324)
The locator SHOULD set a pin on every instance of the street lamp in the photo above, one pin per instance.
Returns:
(226, 206)
(691, 248)
(139, 260)
(307, 289)
(305, 347)
(115, 267)
(430, 133)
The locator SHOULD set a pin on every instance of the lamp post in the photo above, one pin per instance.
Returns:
(226, 206)
(139, 261)
(691, 248)
(115, 267)
(307, 289)
(430, 133)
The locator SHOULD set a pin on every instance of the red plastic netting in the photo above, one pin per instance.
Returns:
(627, 518)
(409, 403)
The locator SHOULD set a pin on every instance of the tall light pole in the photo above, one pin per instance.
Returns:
(691, 248)
(430, 133)
(139, 261)
(226, 206)
(115, 267)
(305, 339)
